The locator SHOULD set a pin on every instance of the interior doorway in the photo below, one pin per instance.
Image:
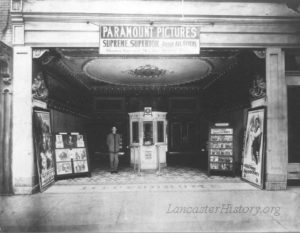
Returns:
(293, 133)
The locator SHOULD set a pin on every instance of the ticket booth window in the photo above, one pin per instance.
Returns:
(135, 132)
(148, 133)
(160, 131)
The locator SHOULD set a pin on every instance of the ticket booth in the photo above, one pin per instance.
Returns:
(148, 139)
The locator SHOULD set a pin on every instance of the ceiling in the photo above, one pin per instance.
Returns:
(147, 71)
(93, 71)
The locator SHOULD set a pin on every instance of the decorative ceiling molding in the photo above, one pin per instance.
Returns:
(37, 53)
(260, 53)
(67, 108)
(220, 75)
(54, 61)
(143, 71)
(294, 5)
(147, 71)
(187, 75)
(146, 90)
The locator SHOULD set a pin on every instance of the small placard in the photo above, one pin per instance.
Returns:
(148, 155)
(39, 104)
(147, 111)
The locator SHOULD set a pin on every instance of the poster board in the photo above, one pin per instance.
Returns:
(254, 147)
(43, 145)
(220, 151)
(71, 155)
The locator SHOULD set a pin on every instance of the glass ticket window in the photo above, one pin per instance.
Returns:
(135, 132)
(160, 131)
(148, 133)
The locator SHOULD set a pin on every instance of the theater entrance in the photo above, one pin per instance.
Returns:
(90, 93)
(93, 63)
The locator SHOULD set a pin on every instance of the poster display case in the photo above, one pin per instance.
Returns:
(220, 149)
(71, 155)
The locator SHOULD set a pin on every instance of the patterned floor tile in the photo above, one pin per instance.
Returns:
(102, 176)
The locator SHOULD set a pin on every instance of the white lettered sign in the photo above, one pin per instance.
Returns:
(147, 39)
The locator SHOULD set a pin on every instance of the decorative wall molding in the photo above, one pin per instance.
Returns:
(4, 71)
(39, 88)
(62, 107)
(257, 24)
(260, 53)
(16, 5)
(6, 67)
(37, 53)
(5, 118)
(229, 9)
(258, 89)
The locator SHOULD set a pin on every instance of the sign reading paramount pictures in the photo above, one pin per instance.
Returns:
(146, 39)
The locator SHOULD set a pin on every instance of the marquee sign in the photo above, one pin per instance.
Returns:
(146, 39)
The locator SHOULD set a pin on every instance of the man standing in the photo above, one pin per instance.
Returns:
(113, 142)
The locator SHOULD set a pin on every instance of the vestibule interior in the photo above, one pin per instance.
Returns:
(90, 93)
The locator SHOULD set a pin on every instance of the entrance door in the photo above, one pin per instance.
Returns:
(186, 141)
(294, 132)
(183, 136)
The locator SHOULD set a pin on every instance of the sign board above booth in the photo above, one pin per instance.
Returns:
(149, 40)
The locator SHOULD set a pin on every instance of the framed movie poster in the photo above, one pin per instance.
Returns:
(43, 148)
(71, 157)
(254, 147)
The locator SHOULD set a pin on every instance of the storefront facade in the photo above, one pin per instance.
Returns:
(267, 27)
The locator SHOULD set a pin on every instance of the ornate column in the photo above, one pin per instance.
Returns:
(277, 128)
(24, 179)
(5, 119)
(23, 169)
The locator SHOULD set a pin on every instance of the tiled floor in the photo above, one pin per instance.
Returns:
(171, 179)
(102, 176)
